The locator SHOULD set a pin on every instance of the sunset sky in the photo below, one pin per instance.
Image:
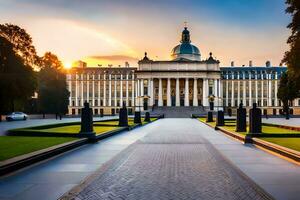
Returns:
(115, 31)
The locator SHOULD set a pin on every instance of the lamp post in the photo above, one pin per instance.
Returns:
(211, 99)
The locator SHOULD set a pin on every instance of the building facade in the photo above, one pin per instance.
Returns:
(186, 80)
(106, 89)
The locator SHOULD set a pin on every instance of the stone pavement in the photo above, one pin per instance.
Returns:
(4, 125)
(173, 161)
(50, 179)
(283, 121)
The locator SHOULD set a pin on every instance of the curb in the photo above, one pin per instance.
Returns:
(294, 128)
(286, 152)
(277, 149)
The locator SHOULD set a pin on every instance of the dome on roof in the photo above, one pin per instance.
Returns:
(185, 50)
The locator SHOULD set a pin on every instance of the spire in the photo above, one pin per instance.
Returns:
(185, 37)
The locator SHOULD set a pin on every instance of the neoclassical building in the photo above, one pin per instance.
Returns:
(185, 80)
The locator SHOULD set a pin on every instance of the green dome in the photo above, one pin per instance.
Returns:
(185, 50)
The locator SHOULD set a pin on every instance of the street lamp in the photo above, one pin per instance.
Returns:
(211, 99)
(139, 102)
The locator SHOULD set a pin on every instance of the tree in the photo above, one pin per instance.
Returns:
(22, 43)
(287, 91)
(17, 79)
(53, 93)
(292, 57)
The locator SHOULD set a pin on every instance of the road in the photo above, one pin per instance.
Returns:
(4, 125)
(283, 121)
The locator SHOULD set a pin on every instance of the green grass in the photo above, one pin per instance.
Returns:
(11, 146)
(74, 129)
(292, 143)
(111, 123)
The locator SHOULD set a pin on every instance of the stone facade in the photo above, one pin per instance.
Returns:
(186, 80)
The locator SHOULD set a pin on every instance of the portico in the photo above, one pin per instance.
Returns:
(186, 80)
(189, 90)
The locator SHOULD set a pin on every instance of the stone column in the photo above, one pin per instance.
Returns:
(186, 92)
(137, 99)
(76, 90)
(127, 91)
(256, 89)
(87, 88)
(270, 90)
(151, 92)
(227, 94)
(177, 93)
(239, 89)
(109, 90)
(132, 91)
(216, 91)
(205, 92)
(169, 92)
(195, 95)
(99, 90)
(136, 94)
(244, 89)
(232, 92)
(160, 101)
(104, 90)
(82, 99)
(115, 91)
(121, 91)
(276, 88)
(262, 90)
(142, 93)
(250, 90)
(69, 80)
(93, 90)
(220, 92)
(142, 87)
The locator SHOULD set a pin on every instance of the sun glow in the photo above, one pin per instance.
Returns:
(67, 65)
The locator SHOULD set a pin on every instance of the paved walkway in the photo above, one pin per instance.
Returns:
(176, 158)
(52, 178)
(283, 121)
(4, 125)
(185, 159)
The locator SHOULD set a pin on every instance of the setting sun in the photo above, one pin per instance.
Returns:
(67, 65)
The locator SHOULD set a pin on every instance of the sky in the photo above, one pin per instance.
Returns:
(114, 31)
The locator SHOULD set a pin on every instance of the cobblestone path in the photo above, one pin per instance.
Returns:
(172, 162)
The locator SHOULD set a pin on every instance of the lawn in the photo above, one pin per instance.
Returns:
(292, 143)
(74, 129)
(11, 146)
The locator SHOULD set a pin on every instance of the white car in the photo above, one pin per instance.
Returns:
(16, 116)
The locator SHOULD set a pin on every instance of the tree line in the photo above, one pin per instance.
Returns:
(23, 73)
(289, 86)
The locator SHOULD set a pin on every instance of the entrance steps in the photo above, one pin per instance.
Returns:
(178, 112)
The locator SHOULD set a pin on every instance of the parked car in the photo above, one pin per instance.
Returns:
(16, 116)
